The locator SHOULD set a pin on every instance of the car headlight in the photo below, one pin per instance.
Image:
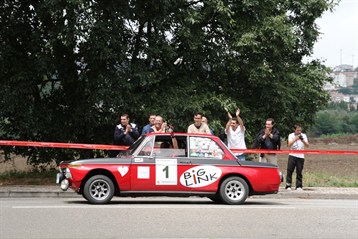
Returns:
(64, 184)
(68, 173)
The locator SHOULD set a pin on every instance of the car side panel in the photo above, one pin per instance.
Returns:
(262, 177)
(158, 174)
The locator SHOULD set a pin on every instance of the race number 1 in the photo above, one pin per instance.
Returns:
(166, 171)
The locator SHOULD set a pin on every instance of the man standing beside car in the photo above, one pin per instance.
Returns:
(125, 133)
(198, 127)
(235, 131)
(146, 129)
(296, 141)
(269, 138)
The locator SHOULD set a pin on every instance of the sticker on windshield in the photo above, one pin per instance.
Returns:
(200, 176)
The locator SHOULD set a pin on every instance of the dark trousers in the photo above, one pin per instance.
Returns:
(294, 162)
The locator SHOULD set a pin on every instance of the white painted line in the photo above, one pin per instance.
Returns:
(152, 206)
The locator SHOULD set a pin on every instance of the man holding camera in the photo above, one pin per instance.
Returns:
(296, 141)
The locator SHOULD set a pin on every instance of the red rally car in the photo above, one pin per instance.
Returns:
(170, 164)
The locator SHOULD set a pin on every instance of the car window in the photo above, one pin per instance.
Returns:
(166, 146)
(147, 149)
(205, 147)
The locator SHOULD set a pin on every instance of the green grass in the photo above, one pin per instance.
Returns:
(325, 180)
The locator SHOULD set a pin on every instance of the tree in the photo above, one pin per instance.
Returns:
(78, 64)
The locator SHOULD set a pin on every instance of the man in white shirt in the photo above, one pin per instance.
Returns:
(235, 131)
(296, 141)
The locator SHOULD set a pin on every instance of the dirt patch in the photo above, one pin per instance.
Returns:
(330, 164)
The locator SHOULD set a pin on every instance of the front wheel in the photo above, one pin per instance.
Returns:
(98, 189)
(234, 191)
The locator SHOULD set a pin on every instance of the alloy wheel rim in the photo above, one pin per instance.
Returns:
(234, 190)
(99, 189)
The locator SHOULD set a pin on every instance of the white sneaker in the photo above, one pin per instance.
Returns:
(298, 189)
(288, 189)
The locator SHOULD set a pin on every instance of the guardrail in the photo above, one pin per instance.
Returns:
(117, 147)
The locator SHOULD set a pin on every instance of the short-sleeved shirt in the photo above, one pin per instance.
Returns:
(298, 145)
(236, 138)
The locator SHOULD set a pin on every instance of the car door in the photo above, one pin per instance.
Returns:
(159, 163)
(207, 164)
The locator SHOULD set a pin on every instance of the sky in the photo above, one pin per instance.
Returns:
(338, 42)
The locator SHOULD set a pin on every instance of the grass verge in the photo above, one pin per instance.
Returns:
(326, 180)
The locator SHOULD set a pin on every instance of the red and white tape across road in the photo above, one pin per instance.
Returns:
(116, 147)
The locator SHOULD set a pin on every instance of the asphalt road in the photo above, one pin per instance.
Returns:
(178, 218)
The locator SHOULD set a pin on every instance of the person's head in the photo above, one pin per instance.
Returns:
(269, 123)
(204, 120)
(165, 145)
(198, 118)
(234, 123)
(158, 122)
(298, 129)
(124, 119)
(152, 119)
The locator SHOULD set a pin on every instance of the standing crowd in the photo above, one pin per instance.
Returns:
(127, 133)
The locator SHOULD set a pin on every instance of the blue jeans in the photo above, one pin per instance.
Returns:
(241, 157)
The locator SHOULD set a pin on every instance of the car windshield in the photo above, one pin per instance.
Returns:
(133, 147)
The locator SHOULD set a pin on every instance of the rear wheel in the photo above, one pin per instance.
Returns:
(98, 189)
(234, 191)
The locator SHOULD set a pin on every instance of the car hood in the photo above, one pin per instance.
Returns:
(116, 160)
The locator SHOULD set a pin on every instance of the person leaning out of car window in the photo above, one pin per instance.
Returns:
(199, 127)
(125, 133)
(159, 126)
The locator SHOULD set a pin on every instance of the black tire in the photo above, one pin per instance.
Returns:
(234, 191)
(98, 189)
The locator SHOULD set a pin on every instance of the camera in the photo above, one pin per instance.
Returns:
(300, 136)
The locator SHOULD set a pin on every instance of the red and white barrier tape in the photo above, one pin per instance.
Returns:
(264, 151)
(61, 145)
(116, 147)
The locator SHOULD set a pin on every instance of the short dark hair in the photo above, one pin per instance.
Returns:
(297, 126)
(199, 113)
(272, 120)
(235, 119)
(125, 115)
